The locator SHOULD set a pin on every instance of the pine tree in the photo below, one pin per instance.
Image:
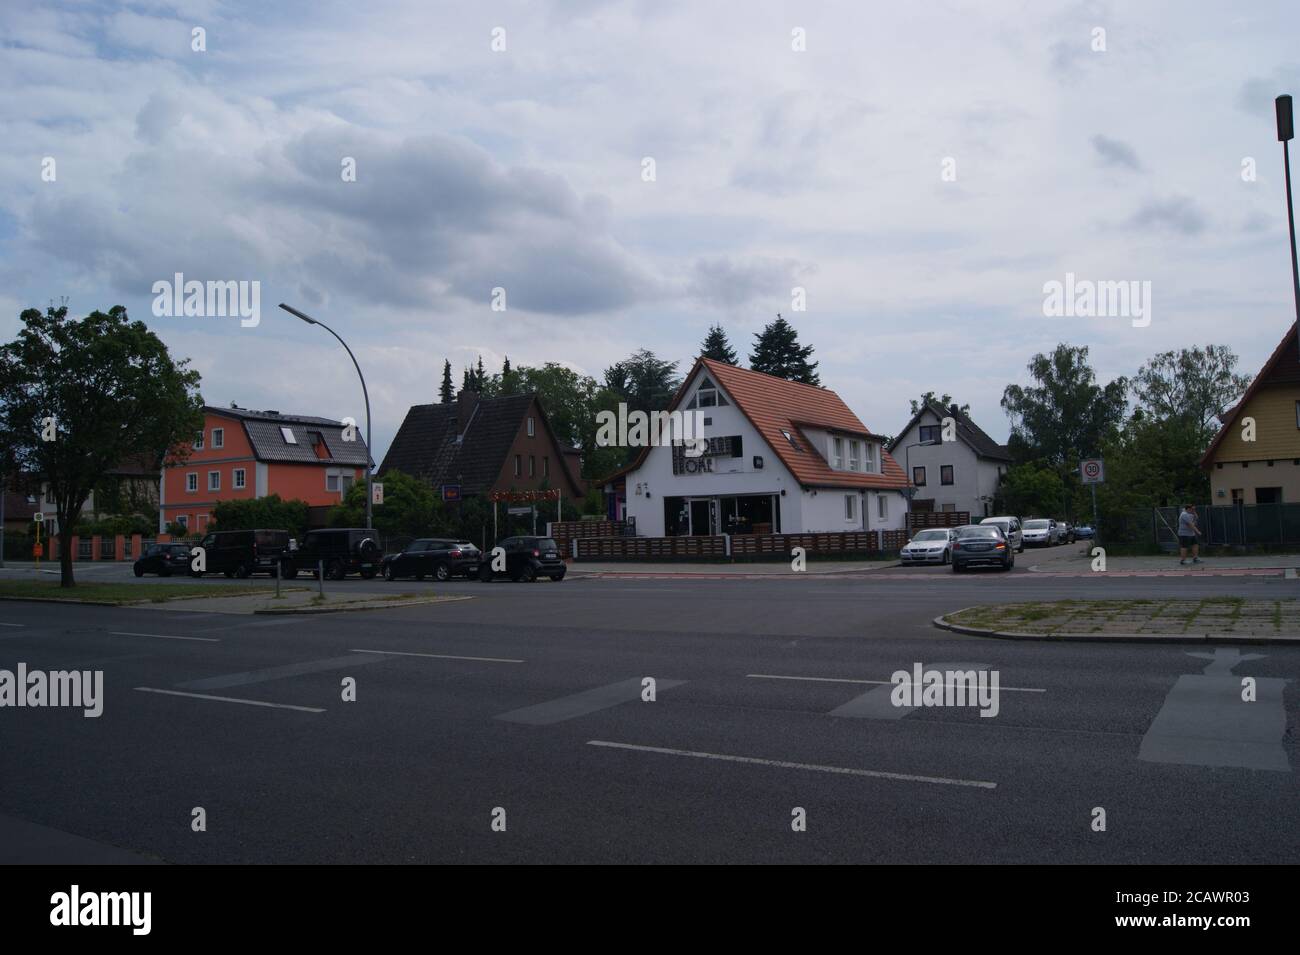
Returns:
(509, 379)
(445, 393)
(480, 377)
(466, 382)
(717, 347)
(777, 352)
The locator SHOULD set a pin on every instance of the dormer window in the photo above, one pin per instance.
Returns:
(855, 454)
(837, 456)
(707, 395)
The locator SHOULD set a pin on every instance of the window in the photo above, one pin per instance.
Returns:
(870, 457)
(850, 507)
(239, 478)
(930, 432)
(918, 476)
(532, 465)
(837, 455)
(945, 474)
(214, 480)
(183, 520)
(192, 481)
(855, 449)
(519, 466)
(198, 441)
(331, 482)
(789, 437)
(882, 507)
(218, 437)
(287, 434)
(1297, 414)
(532, 426)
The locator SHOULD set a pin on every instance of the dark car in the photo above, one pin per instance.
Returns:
(434, 557)
(981, 545)
(243, 553)
(164, 560)
(1084, 532)
(342, 550)
(526, 559)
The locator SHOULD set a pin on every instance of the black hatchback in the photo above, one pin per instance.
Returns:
(434, 557)
(526, 559)
(163, 560)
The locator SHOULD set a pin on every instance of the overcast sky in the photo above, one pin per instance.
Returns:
(774, 168)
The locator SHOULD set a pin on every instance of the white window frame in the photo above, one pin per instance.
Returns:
(855, 454)
(532, 426)
(192, 482)
(288, 435)
(837, 454)
(214, 480)
(869, 458)
(218, 437)
(850, 508)
(882, 507)
(198, 441)
(333, 483)
(239, 479)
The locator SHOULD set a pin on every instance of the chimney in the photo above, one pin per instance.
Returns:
(466, 403)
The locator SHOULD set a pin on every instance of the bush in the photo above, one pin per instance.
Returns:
(271, 512)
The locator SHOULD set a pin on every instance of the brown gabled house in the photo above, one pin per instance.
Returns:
(481, 445)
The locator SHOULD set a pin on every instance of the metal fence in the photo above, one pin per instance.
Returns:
(1241, 525)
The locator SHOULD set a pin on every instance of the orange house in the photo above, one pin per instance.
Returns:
(245, 454)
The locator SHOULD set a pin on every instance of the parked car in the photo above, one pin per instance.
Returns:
(242, 553)
(163, 560)
(1084, 532)
(1067, 532)
(930, 546)
(1010, 528)
(434, 557)
(527, 558)
(982, 545)
(343, 550)
(1041, 532)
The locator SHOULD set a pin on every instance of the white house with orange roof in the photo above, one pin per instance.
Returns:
(781, 458)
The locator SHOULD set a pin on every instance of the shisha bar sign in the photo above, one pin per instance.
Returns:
(524, 497)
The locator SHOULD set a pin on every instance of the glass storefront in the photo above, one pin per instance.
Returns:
(723, 514)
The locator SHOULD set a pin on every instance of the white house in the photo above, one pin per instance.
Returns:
(781, 457)
(961, 474)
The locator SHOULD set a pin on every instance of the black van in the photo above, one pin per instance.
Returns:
(344, 550)
(241, 553)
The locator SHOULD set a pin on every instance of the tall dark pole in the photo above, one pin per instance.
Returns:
(1285, 133)
(366, 394)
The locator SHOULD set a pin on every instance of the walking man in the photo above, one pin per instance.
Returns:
(1187, 534)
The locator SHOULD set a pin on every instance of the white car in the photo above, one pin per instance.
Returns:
(930, 546)
(1010, 529)
(1041, 532)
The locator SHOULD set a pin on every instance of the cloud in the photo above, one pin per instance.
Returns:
(1114, 152)
(1175, 214)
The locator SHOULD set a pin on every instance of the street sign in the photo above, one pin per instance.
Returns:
(38, 517)
(519, 510)
(1092, 471)
(377, 493)
(451, 492)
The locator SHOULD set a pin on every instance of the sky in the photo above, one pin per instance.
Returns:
(920, 171)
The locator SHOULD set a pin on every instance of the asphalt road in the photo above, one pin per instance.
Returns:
(527, 699)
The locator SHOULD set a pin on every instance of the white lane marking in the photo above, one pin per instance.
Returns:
(831, 679)
(230, 699)
(161, 636)
(438, 656)
(785, 764)
(13, 624)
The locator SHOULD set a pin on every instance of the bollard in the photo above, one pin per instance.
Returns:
(279, 572)
(320, 577)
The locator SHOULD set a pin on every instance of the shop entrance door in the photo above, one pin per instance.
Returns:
(702, 517)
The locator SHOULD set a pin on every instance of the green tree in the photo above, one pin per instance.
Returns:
(410, 507)
(777, 352)
(643, 380)
(717, 347)
(1191, 384)
(446, 393)
(509, 379)
(1030, 490)
(110, 390)
(567, 397)
(945, 400)
(270, 513)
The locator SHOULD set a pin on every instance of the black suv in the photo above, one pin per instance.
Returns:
(344, 550)
(527, 558)
(241, 553)
(163, 560)
(434, 557)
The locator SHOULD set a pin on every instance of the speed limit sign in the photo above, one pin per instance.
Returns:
(1092, 471)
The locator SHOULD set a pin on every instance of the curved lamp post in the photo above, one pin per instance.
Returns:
(311, 321)
(911, 488)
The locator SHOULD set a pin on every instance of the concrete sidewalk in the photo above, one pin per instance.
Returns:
(1076, 558)
(696, 569)
(299, 601)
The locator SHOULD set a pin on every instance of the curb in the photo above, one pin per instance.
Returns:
(393, 605)
(942, 624)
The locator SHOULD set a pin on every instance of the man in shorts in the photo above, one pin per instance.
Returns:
(1187, 534)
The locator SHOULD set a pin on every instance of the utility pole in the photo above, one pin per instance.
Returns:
(1285, 133)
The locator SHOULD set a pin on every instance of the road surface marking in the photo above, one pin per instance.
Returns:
(878, 704)
(1205, 722)
(276, 673)
(13, 624)
(161, 636)
(580, 704)
(835, 679)
(438, 656)
(784, 764)
(231, 699)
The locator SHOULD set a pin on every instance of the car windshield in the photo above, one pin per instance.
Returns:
(1035, 525)
(991, 531)
(931, 536)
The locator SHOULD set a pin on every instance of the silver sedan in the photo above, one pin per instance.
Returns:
(930, 546)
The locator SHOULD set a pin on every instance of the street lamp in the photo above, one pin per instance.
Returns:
(311, 321)
(911, 488)
(1285, 133)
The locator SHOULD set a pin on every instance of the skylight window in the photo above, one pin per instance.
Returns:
(789, 437)
(287, 434)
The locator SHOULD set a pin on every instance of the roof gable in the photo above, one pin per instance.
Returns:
(1282, 367)
(968, 432)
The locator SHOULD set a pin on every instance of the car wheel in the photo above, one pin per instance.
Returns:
(528, 574)
(485, 573)
(557, 577)
(335, 570)
(442, 573)
(947, 555)
(368, 573)
(242, 571)
(139, 572)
